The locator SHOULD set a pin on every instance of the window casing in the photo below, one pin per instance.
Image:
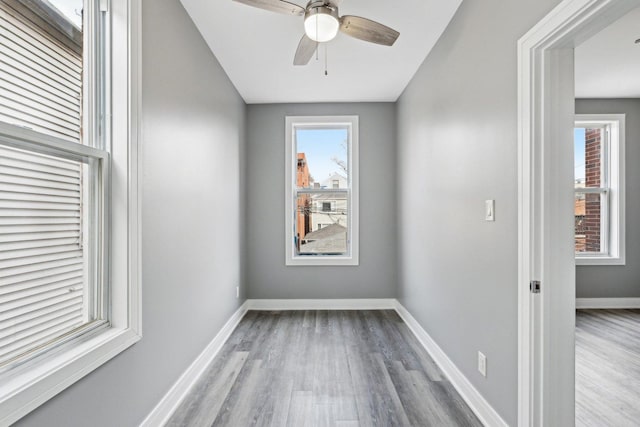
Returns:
(109, 229)
(599, 189)
(322, 190)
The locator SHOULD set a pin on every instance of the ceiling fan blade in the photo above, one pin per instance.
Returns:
(368, 30)
(306, 49)
(279, 6)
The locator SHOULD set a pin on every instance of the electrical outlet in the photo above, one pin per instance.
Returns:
(237, 291)
(482, 364)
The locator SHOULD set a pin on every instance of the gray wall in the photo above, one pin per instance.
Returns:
(457, 146)
(193, 143)
(268, 276)
(618, 281)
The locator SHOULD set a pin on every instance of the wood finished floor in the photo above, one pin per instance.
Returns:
(323, 368)
(608, 368)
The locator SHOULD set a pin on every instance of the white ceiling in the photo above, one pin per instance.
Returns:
(256, 48)
(608, 64)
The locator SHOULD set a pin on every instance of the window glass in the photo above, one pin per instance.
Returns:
(43, 251)
(330, 237)
(322, 157)
(51, 200)
(322, 164)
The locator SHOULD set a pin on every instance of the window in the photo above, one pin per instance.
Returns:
(68, 254)
(599, 189)
(52, 202)
(322, 189)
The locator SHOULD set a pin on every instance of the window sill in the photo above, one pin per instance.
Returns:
(599, 260)
(323, 261)
(28, 386)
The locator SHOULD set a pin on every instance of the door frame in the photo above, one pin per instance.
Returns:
(546, 320)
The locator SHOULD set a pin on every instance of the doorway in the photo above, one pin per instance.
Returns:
(546, 354)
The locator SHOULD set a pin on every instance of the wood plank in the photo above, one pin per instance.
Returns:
(607, 367)
(323, 368)
(202, 405)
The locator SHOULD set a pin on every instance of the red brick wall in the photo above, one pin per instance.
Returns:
(593, 155)
(303, 205)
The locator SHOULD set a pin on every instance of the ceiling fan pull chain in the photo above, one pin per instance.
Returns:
(326, 59)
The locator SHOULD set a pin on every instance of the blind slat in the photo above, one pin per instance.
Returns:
(53, 116)
(35, 37)
(30, 166)
(38, 255)
(37, 228)
(45, 303)
(41, 57)
(60, 176)
(37, 206)
(38, 213)
(16, 249)
(37, 236)
(39, 77)
(22, 197)
(40, 288)
(28, 119)
(15, 308)
(37, 158)
(27, 95)
(42, 311)
(47, 333)
(42, 265)
(38, 221)
(43, 318)
(40, 191)
(12, 283)
(13, 81)
(38, 183)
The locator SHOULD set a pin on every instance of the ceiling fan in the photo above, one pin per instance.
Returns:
(322, 23)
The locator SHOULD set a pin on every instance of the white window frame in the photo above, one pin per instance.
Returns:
(32, 383)
(351, 123)
(613, 172)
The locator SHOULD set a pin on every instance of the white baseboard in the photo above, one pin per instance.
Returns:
(165, 408)
(322, 304)
(610, 303)
(478, 404)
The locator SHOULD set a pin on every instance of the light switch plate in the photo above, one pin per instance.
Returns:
(489, 210)
(482, 364)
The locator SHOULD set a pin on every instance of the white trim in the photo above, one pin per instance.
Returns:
(28, 386)
(607, 303)
(180, 389)
(322, 304)
(352, 124)
(546, 320)
(478, 404)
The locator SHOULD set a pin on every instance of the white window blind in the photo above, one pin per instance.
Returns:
(42, 261)
(40, 70)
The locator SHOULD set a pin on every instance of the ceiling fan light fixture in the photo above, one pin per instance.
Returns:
(321, 23)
